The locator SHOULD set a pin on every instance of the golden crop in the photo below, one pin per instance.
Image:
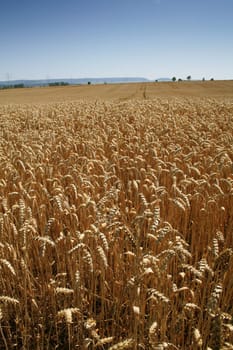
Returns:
(116, 225)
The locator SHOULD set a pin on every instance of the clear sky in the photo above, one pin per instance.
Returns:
(41, 39)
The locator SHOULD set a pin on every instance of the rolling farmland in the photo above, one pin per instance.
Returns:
(119, 92)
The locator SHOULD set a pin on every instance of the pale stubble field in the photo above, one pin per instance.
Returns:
(116, 219)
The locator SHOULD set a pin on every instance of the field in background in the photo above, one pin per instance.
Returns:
(119, 92)
(116, 218)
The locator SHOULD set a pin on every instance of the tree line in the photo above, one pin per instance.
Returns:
(13, 86)
(189, 78)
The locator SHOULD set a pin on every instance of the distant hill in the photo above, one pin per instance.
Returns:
(80, 81)
(163, 79)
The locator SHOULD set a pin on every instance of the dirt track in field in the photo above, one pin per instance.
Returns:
(119, 92)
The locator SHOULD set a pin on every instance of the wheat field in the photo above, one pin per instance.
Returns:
(116, 224)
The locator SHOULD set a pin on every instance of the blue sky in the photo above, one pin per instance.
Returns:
(111, 38)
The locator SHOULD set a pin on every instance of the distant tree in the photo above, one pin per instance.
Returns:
(156, 80)
(174, 79)
(88, 83)
(203, 79)
(189, 77)
(179, 79)
(212, 79)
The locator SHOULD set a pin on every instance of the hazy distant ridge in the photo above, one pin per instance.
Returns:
(43, 82)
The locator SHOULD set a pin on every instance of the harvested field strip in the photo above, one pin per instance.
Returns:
(119, 92)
